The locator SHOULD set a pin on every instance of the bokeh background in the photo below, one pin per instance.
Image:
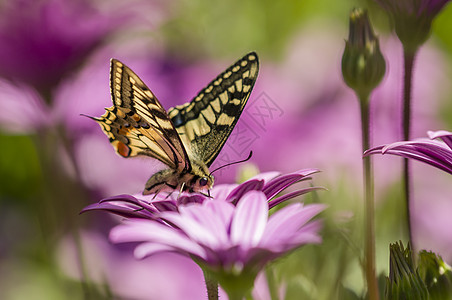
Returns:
(54, 66)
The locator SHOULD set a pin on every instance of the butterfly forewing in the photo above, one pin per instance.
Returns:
(205, 123)
(137, 124)
(190, 136)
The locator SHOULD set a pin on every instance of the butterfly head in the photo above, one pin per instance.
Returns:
(201, 183)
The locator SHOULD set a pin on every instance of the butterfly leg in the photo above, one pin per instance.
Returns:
(159, 189)
(172, 191)
(207, 195)
(159, 181)
(181, 190)
(163, 185)
(169, 194)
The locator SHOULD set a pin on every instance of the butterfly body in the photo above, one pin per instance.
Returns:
(188, 137)
(195, 180)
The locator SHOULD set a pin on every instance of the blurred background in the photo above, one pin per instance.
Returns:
(54, 66)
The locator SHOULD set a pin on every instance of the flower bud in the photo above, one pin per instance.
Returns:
(412, 19)
(437, 275)
(363, 65)
(404, 281)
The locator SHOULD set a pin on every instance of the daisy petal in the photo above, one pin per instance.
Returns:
(250, 219)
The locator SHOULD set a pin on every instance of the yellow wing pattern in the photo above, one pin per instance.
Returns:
(137, 124)
(205, 123)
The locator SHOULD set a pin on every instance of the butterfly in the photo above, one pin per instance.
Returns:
(188, 137)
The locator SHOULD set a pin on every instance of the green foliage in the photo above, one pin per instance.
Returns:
(19, 167)
(225, 27)
(436, 274)
(431, 279)
(404, 281)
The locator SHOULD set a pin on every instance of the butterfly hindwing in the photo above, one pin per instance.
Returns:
(205, 123)
(137, 124)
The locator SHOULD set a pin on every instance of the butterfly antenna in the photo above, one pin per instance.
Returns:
(233, 163)
(92, 118)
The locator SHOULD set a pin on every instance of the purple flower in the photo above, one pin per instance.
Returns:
(22, 109)
(41, 42)
(149, 206)
(228, 234)
(232, 242)
(434, 153)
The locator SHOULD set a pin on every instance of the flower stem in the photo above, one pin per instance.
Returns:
(408, 58)
(369, 223)
(271, 282)
(211, 285)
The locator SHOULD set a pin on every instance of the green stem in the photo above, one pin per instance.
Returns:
(408, 58)
(211, 285)
(369, 211)
(271, 282)
(61, 200)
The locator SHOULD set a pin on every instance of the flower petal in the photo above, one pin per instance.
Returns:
(140, 203)
(150, 231)
(446, 136)
(222, 191)
(434, 153)
(147, 249)
(249, 185)
(267, 176)
(275, 201)
(308, 235)
(201, 223)
(23, 110)
(278, 184)
(120, 209)
(286, 222)
(250, 219)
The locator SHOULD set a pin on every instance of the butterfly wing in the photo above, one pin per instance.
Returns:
(137, 124)
(206, 122)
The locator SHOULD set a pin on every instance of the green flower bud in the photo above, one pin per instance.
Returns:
(436, 274)
(404, 281)
(363, 65)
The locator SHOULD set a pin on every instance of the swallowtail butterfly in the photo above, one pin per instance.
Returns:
(188, 137)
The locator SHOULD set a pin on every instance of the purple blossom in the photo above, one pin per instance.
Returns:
(41, 42)
(22, 109)
(232, 242)
(228, 234)
(149, 206)
(432, 152)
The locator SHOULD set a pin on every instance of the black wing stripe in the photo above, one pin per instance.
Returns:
(139, 122)
(146, 145)
(206, 122)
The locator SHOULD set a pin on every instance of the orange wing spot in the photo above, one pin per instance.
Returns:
(136, 117)
(123, 149)
(123, 130)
